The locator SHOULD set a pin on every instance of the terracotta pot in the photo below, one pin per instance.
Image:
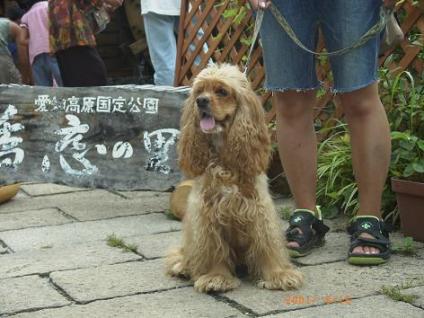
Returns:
(8, 192)
(410, 200)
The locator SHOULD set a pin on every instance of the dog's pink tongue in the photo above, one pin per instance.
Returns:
(207, 123)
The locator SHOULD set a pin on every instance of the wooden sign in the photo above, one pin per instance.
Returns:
(114, 137)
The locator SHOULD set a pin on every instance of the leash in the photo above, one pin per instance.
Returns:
(373, 31)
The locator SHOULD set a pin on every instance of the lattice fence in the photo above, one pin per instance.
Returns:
(221, 31)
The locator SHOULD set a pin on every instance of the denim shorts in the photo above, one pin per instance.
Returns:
(343, 22)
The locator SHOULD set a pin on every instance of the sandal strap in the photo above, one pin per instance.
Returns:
(305, 221)
(373, 226)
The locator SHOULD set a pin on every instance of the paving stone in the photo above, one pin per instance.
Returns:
(51, 201)
(115, 280)
(358, 308)
(31, 218)
(334, 280)
(179, 303)
(78, 232)
(26, 293)
(144, 194)
(88, 209)
(156, 245)
(49, 188)
(336, 248)
(418, 291)
(54, 259)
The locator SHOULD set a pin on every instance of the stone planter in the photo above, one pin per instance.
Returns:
(410, 200)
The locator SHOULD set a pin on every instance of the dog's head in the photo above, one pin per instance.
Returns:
(223, 102)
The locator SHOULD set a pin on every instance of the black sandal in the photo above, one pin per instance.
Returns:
(313, 232)
(379, 230)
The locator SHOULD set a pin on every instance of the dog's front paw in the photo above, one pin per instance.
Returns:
(282, 279)
(174, 265)
(216, 283)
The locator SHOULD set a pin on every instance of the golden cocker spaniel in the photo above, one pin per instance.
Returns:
(230, 218)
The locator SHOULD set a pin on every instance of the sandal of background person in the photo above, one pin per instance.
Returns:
(380, 232)
(311, 234)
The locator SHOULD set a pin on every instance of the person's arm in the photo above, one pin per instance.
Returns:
(20, 37)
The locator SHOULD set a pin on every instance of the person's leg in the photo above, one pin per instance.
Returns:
(81, 66)
(162, 46)
(371, 148)
(355, 79)
(40, 72)
(54, 70)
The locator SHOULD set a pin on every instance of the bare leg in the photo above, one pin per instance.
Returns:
(297, 145)
(370, 139)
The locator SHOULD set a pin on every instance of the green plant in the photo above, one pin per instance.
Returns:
(407, 247)
(394, 292)
(114, 241)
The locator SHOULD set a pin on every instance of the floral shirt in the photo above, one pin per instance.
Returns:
(68, 25)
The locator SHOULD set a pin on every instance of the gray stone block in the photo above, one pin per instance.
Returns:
(32, 218)
(418, 291)
(377, 306)
(87, 209)
(335, 280)
(156, 245)
(51, 201)
(48, 259)
(79, 232)
(109, 281)
(179, 303)
(31, 292)
(37, 189)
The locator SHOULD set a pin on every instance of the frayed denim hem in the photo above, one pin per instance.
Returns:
(352, 89)
(299, 90)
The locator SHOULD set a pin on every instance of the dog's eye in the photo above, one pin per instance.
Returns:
(221, 92)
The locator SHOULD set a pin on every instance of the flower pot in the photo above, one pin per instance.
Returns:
(410, 200)
(8, 192)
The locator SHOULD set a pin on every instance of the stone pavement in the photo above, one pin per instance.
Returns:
(55, 262)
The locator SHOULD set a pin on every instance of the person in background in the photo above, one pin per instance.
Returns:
(14, 14)
(11, 32)
(36, 31)
(73, 42)
(160, 23)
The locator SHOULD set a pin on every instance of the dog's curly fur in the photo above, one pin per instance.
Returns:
(230, 217)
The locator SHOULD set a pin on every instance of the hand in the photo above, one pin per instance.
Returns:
(389, 3)
(259, 4)
(113, 4)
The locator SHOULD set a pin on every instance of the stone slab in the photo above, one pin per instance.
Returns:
(47, 260)
(87, 209)
(79, 232)
(157, 245)
(31, 292)
(110, 281)
(32, 218)
(37, 189)
(336, 280)
(418, 291)
(51, 201)
(358, 308)
(179, 303)
(336, 248)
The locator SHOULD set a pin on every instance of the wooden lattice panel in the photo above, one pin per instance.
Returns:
(206, 34)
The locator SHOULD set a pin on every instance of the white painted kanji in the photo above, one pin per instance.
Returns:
(42, 102)
(151, 105)
(104, 104)
(88, 104)
(157, 144)
(73, 134)
(135, 105)
(119, 105)
(10, 154)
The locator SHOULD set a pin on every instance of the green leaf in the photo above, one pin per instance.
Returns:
(418, 166)
(420, 144)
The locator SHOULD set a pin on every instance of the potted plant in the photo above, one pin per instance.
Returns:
(407, 171)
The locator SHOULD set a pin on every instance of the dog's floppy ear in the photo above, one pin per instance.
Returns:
(248, 141)
(193, 146)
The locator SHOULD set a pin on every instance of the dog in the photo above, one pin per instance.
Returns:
(230, 219)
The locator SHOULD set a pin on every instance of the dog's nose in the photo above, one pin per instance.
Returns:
(202, 102)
